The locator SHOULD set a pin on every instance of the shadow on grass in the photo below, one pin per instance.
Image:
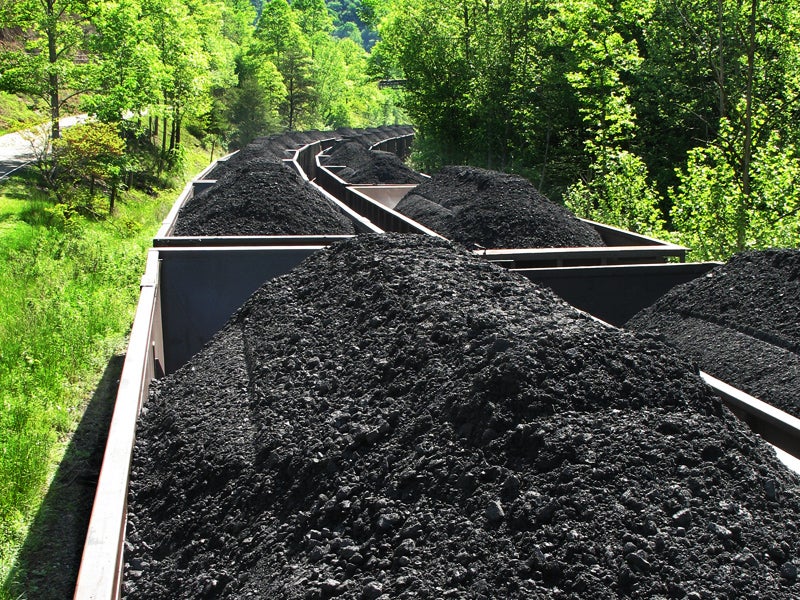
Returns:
(19, 185)
(47, 566)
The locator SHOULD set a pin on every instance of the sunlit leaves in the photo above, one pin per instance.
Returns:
(711, 211)
(619, 193)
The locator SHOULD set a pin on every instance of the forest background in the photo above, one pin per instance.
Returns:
(674, 118)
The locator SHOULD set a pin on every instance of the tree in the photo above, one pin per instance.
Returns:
(255, 101)
(619, 193)
(312, 16)
(279, 40)
(426, 40)
(344, 96)
(124, 62)
(716, 216)
(94, 151)
(184, 73)
(52, 65)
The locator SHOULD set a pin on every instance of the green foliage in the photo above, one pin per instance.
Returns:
(17, 113)
(307, 77)
(713, 214)
(71, 291)
(619, 194)
(93, 149)
(312, 16)
(427, 40)
(125, 68)
(603, 101)
(351, 21)
(46, 66)
(69, 287)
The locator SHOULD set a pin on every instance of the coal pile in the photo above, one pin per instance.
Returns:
(260, 197)
(489, 209)
(272, 148)
(365, 166)
(740, 323)
(398, 419)
(276, 147)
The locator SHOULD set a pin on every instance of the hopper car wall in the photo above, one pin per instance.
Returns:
(201, 288)
(100, 574)
(172, 276)
(304, 158)
(377, 202)
(386, 219)
(614, 236)
(165, 238)
(401, 145)
(615, 293)
(201, 185)
(361, 222)
(775, 426)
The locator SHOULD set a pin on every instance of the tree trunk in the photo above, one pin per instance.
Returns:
(467, 49)
(112, 198)
(544, 161)
(291, 104)
(162, 153)
(52, 78)
(172, 136)
(744, 204)
(720, 75)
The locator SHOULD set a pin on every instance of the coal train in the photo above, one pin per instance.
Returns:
(192, 284)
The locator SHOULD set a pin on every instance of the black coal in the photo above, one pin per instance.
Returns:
(494, 210)
(260, 197)
(365, 166)
(398, 419)
(740, 323)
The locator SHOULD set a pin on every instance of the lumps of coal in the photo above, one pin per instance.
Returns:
(261, 197)
(740, 323)
(489, 209)
(523, 450)
(365, 166)
(280, 146)
(256, 194)
(272, 148)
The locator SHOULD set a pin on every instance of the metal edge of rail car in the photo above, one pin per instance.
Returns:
(378, 202)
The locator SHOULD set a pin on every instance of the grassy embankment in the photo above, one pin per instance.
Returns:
(68, 290)
(16, 113)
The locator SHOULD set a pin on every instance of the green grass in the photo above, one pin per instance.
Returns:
(18, 113)
(68, 291)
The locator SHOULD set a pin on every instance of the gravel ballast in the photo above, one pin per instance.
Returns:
(740, 323)
(398, 419)
(489, 209)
